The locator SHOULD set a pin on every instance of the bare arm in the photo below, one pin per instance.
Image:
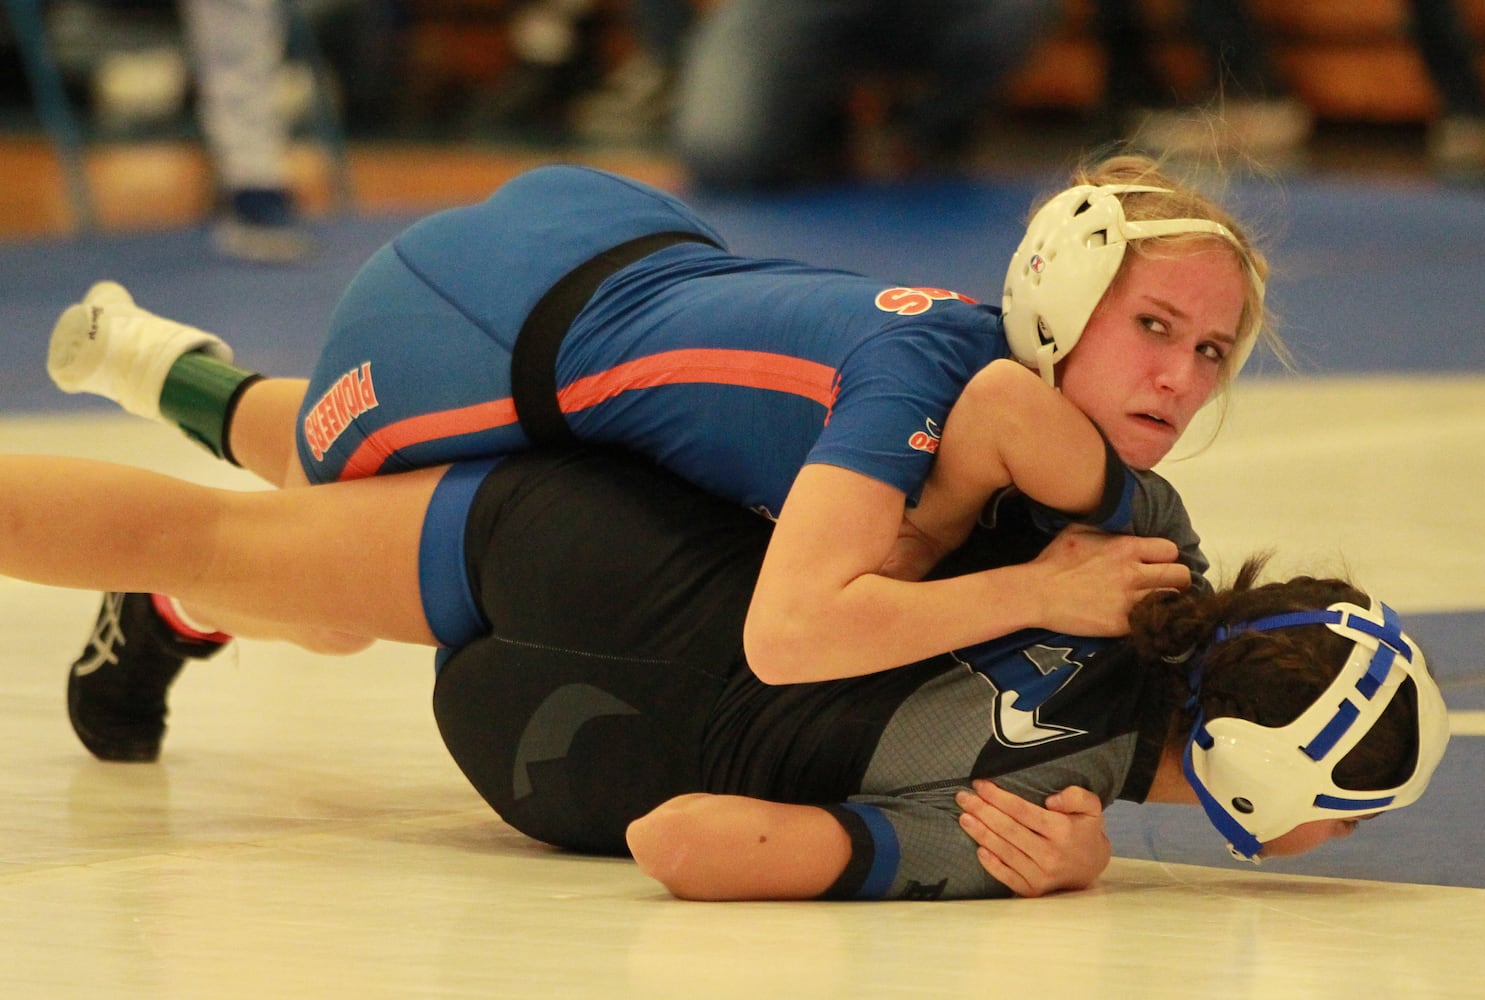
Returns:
(820, 610)
(720, 847)
(1008, 427)
(823, 610)
(728, 847)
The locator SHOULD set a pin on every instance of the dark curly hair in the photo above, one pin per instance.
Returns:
(1268, 677)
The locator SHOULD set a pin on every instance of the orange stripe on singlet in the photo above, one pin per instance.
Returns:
(747, 369)
(372, 454)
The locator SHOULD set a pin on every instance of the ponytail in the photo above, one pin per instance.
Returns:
(1270, 677)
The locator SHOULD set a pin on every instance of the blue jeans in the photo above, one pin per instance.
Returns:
(763, 87)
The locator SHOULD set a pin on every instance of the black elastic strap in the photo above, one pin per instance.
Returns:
(848, 884)
(1115, 474)
(200, 396)
(533, 363)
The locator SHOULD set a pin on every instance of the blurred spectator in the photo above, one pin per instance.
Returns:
(238, 50)
(1456, 138)
(1250, 108)
(131, 53)
(366, 47)
(634, 103)
(763, 87)
(555, 59)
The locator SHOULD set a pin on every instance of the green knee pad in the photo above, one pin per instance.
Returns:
(200, 395)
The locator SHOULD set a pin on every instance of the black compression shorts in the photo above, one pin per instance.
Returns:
(615, 596)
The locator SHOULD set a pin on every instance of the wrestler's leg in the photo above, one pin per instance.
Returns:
(342, 557)
(230, 621)
(117, 688)
(261, 436)
(271, 564)
(165, 370)
(262, 428)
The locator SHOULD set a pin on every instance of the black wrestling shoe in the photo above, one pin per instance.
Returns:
(116, 689)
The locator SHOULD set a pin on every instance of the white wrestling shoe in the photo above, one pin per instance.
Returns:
(107, 345)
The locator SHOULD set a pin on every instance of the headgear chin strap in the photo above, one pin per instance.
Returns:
(1068, 258)
(1258, 783)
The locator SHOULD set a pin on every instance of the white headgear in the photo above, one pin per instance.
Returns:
(1067, 260)
(1257, 783)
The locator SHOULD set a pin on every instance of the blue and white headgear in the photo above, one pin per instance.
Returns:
(1258, 782)
(1069, 256)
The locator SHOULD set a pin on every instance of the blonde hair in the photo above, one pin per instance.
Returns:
(1182, 200)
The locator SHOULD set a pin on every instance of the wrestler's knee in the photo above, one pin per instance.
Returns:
(331, 642)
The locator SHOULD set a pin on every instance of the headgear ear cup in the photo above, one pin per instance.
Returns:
(1069, 256)
(1258, 782)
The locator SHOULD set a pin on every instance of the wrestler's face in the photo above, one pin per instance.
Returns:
(1308, 836)
(1152, 352)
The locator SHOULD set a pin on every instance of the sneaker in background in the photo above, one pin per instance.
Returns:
(260, 225)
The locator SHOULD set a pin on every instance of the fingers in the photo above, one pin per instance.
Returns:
(993, 828)
(1154, 550)
(1002, 860)
(990, 799)
(1095, 579)
(1013, 837)
(1165, 576)
(1075, 801)
(1010, 877)
(1034, 850)
(1139, 547)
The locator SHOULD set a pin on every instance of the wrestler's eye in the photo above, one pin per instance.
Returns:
(1212, 351)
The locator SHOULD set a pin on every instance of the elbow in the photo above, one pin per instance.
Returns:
(771, 653)
(652, 847)
(660, 843)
